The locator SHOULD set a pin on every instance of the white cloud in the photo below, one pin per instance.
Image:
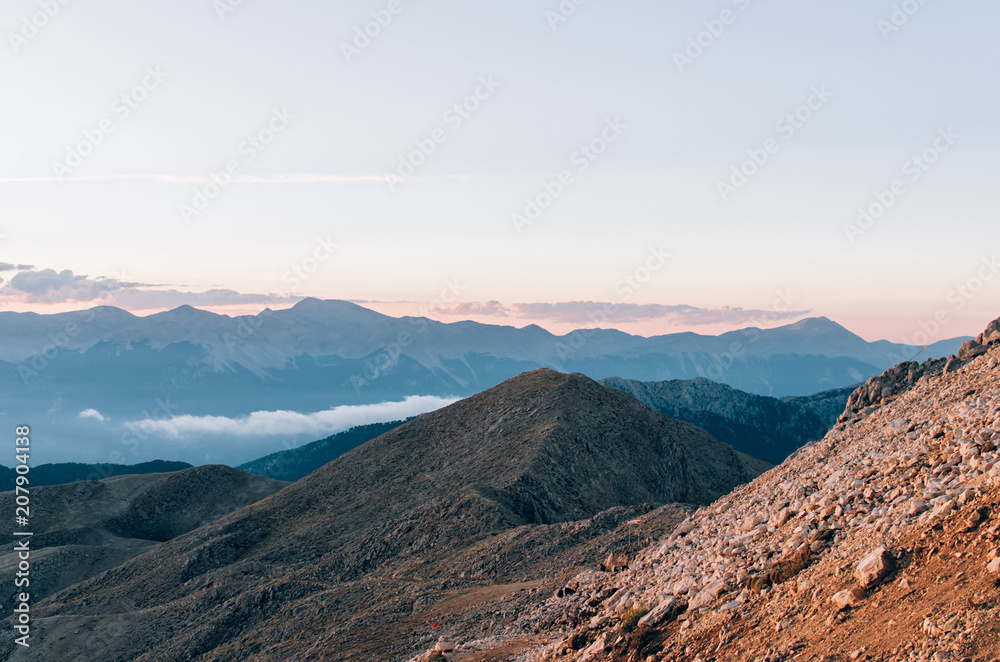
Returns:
(48, 286)
(290, 423)
(581, 312)
(92, 413)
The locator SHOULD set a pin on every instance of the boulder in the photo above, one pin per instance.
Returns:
(970, 349)
(708, 595)
(874, 568)
(444, 645)
(847, 598)
(595, 649)
(991, 334)
(662, 612)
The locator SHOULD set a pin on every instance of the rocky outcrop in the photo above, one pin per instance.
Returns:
(903, 376)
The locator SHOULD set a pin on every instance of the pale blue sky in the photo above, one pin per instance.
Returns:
(117, 215)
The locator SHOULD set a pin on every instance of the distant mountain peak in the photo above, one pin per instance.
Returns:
(816, 324)
(314, 306)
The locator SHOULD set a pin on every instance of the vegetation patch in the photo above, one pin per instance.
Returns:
(631, 617)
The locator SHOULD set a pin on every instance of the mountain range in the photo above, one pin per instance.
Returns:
(120, 370)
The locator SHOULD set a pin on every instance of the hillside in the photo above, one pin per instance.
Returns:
(70, 472)
(879, 542)
(760, 426)
(86, 527)
(294, 463)
(477, 499)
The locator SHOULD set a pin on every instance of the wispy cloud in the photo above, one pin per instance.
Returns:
(245, 178)
(594, 312)
(50, 286)
(490, 309)
(47, 286)
(92, 413)
(289, 423)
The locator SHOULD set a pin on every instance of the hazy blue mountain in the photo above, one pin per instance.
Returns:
(322, 354)
(769, 429)
(72, 472)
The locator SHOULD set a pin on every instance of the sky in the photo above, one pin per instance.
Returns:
(686, 165)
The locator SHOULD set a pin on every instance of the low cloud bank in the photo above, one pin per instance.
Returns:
(289, 423)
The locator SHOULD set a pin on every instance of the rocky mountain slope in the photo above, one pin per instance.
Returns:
(879, 542)
(295, 463)
(761, 426)
(480, 501)
(84, 528)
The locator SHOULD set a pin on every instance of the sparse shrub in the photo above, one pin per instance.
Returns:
(437, 656)
(576, 641)
(823, 535)
(759, 583)
(631, 617)
(643, 641)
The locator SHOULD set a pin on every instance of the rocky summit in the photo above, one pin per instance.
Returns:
(456, 522)
(879, 542)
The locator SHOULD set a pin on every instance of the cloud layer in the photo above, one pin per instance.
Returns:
(47, 286)
(288, 423)
(598, 313)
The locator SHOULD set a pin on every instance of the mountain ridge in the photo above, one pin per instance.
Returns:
(413, 510)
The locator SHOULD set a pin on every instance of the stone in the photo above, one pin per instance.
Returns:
(847, 598)
(971, 349)
(993, 566)
(707, 595)
(874, 568)
(991, 334)
(943, 510)
(662, 612)
(595, 649)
